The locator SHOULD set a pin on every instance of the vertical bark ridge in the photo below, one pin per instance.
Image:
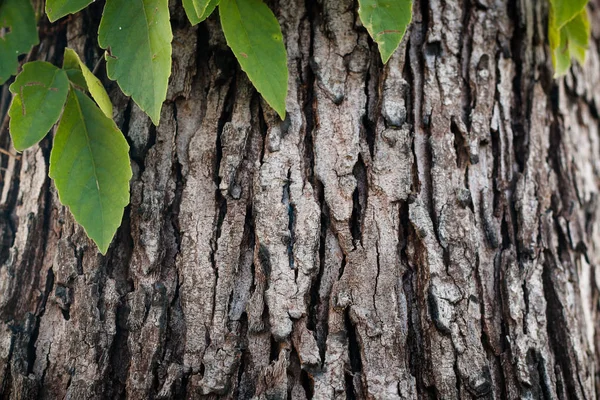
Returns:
(424, 229)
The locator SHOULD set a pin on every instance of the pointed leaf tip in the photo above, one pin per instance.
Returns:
(198, 10)
(254, 35)
(139, 36)
(386, 21)
(56, 9)
(89, 164)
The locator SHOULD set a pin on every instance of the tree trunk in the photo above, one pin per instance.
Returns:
(427, 229)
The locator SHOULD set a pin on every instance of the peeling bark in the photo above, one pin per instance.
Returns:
(427, 229)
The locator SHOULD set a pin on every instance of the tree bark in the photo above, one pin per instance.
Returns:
(427, 229)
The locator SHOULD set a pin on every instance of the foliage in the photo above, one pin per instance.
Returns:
(56, 9)
(89, 159)
(198, 10)
(18, 33)
(79, 73)
(89, 163)
(40, 92)
(254, 35)
(137, 36)
(568, 33)
(386, 21)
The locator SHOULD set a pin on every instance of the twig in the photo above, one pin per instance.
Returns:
(97, 66)
(2, 129)
(8, 153)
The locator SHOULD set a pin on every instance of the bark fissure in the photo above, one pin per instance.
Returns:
(424, 229)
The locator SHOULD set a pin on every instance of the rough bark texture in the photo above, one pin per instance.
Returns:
(428, 229)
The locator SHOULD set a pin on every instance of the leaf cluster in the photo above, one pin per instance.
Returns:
(89, 160)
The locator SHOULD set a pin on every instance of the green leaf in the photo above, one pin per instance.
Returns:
(18, 33)
(565, 10)
(137, 35)
(570, 41)
(89, 164)
(578, 53)
(198, 10)
(76, 77)
(40, 92)
(578, 29)
(578, 32)
(57, 9)
(561, 57)
(553, 35)
(90, 82)
(254, 35)
(386, 21)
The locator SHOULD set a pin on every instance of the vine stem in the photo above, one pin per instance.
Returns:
(3, 151)
(8, 153)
